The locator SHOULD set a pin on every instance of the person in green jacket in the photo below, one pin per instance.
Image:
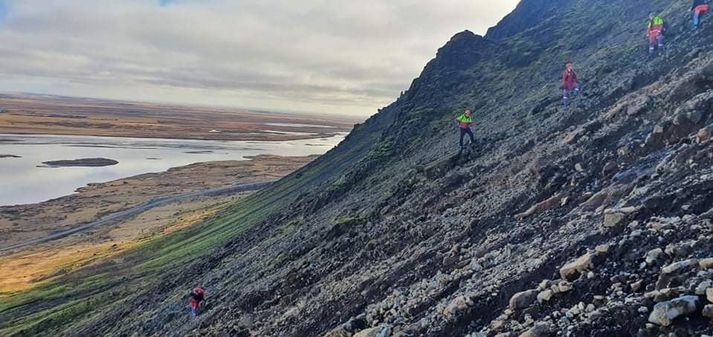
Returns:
(465, 120)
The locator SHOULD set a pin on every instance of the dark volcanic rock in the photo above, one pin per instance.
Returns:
(597, 211)
(86, 162)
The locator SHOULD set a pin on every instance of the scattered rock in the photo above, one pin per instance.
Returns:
(523, 299)
(708, 311)
(665, 312)
(545, 295)
(542, 329)
(703, 286)
(573, 269)
(457, 305)
(562, 287)
(675, 267)
(338, 332)
(602, 249)
(654, 255)
(705, 263)
(704, 134)
(382, 331)
(548, 204)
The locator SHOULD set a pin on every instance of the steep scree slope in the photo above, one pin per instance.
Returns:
(580, 221)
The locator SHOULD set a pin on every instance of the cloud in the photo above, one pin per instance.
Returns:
(310, 55)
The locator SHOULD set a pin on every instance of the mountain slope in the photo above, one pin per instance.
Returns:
(393, 232)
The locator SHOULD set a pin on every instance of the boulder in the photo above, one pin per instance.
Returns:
(680, 265)
(602, 249)
(542, 329)
(706, 263)
(613, 218)
(704, 134)
(562, 287)
(457, 305)
(709, 294)
(654, 255)
(545, 295)
(338, 332)
(708, 311)
(702, 287)
(573, 269)
(665, 312)
(381, 331)
(552, 202)
(523, 299)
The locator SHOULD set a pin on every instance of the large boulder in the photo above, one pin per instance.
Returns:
(665, 312)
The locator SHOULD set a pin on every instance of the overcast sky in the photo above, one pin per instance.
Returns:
(334, 56)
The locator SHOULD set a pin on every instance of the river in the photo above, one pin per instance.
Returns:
(26, 180)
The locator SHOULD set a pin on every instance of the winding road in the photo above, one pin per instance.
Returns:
(138, 209)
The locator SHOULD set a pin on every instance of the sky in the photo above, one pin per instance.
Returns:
(323, 56)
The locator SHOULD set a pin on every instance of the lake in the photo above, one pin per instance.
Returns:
(22, 181)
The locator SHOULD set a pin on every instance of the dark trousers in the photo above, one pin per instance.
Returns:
(469, 132)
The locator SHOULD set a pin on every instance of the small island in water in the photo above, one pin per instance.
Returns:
(86, 162)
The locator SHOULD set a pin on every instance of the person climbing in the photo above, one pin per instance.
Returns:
(197, 296)
(464, 121)
(570, 85)
(655, 32)
(699, 8)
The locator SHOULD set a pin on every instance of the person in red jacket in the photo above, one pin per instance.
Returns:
(197, 296)
(655, 31)
(570, 85)
(699, 8)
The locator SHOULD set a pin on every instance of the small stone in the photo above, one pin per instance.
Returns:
(706, 263)
(523, 299)
(613, 218)
(709, 294)
(338, 332)
(708, 311)
(703, 286)
(579, 167)
(665, 312)
(573, 269)
(457, 305)
(545, 295)
(544, 284)
(654, 255)
(372, 332)
(674, 267)
(602, 249)
(643, 310)
(562, 287)
(542, 329)
(636, 286)
(704, 134)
